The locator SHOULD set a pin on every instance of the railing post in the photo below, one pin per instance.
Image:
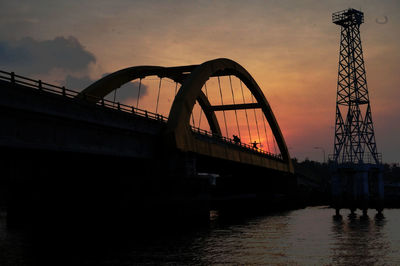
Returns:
(63, 91)
(12, 77)
(118, 106)
(40, 85)
(133, 110)
(102, 102)
(145, 113)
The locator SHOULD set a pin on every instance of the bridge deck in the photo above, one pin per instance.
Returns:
(38, 115)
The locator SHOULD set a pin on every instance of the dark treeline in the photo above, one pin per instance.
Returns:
(391, 178)
(313, 180)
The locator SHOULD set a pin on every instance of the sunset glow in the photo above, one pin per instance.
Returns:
(289, 47)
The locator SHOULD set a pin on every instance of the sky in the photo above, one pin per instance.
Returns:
(290, 48)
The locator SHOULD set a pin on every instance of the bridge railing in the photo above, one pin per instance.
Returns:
(61, 90)
(233, 142)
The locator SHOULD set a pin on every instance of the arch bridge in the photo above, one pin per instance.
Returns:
(65, 150)
(181, 133)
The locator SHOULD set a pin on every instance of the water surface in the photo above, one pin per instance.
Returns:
(308, 236)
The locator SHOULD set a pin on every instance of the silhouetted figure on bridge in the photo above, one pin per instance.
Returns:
(236, 139)
(255, 145)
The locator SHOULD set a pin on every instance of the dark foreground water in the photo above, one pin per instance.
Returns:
(308, 236)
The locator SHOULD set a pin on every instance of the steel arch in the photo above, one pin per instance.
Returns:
(115, 80)
(192, 78)
(178, 121)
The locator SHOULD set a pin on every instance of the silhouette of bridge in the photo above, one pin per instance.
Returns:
(87, 139)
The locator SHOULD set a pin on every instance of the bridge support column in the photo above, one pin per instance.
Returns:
(190, 165)
(336, 192)
(181, 164)
(381, 195)
(352, 190)
(362, 197)
(21, 194)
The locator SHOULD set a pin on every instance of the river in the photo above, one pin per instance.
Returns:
(309, 236)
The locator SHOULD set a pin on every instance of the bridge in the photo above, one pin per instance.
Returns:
(85, 145)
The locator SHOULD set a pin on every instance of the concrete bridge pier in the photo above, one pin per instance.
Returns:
(358, 187)
(18, 196)
(25, 190)
(179, 164)
(361, 183)
(375, 178)
(336, 187)
(381, 194)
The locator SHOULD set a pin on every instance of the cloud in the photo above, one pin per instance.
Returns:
(76, 83)
(28, 56)
(127, 91)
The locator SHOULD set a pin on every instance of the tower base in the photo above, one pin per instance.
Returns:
(357, 187)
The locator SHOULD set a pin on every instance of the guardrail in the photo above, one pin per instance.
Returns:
(43, 86)
(233, 142)
(62, 91)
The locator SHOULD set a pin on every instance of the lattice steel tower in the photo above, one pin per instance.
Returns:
(358, 177)
(354, 130)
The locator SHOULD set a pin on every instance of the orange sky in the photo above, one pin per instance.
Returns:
(290, 48)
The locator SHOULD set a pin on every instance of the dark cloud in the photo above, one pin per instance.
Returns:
(77, 84)
(29, 56)
(127, 91)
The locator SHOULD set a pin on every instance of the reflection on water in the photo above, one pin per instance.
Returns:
(360, 240)
(310, 236)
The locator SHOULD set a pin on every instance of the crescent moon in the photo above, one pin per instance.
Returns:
(384, 21)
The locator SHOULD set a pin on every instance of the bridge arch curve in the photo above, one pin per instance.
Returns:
(192, 78)
(179, 117)
(115, 80)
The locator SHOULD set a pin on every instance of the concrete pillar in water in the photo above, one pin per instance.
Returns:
(352, 191)
(361, 178)
(381, 195)
(190, 165)
(336, 188)
(181, 164)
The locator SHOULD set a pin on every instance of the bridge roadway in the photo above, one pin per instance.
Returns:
(33, 119)
(60, 150)
(41, 120)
